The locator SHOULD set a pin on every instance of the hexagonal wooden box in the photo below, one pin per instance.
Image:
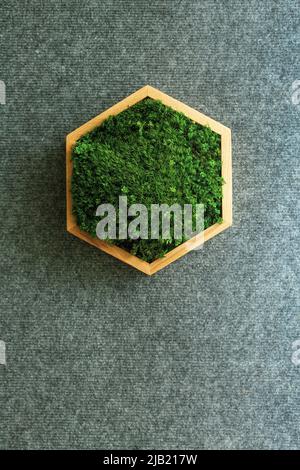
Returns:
(184, 248)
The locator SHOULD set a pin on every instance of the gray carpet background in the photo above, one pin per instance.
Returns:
(99, 355)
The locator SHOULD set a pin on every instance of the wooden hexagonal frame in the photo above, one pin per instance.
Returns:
(181, 250)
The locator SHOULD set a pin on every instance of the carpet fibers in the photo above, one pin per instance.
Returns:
(97, 354)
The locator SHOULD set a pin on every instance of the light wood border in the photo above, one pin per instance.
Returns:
(181, 250)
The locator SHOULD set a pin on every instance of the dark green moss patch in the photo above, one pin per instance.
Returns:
(153, 155)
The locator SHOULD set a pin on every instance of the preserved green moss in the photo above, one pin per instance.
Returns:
(153, 155)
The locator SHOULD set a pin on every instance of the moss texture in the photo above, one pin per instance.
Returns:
(153, 155)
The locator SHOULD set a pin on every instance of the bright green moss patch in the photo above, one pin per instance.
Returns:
(153, 155)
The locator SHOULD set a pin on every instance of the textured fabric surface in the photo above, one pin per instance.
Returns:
(97, 354)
